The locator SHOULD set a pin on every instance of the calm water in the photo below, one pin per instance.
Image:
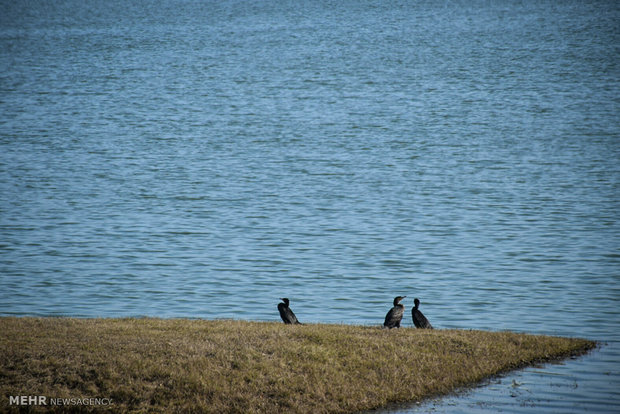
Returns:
(204, 158)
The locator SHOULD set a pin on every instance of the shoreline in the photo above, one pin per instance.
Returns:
(149, 364)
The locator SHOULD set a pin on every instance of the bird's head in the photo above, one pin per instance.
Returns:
(397, 299)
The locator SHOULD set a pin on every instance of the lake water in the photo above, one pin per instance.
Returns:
(204, 158)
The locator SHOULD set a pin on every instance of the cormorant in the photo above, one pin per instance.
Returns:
(419, 320)
(286, 313)
(395, 315)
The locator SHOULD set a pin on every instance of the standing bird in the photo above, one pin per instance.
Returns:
(286, 313)
(395, 315)
(419, 320)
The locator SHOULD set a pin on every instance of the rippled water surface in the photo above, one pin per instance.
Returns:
(202, 159)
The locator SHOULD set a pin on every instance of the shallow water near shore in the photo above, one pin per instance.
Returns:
(203, 159)
(576, 385)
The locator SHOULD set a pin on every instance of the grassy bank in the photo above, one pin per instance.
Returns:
(236, 366)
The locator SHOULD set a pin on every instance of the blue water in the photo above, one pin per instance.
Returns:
(203, 159)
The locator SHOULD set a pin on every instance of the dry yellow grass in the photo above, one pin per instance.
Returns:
(178, 365)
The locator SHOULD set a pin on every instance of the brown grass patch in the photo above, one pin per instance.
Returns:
(178, 365)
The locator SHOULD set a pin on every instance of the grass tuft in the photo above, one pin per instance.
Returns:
(178, 365)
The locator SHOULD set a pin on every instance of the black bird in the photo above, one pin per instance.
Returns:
(286, 313)
(395, 315)
(419, 320)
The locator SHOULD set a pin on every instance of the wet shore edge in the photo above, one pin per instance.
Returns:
(161, 365)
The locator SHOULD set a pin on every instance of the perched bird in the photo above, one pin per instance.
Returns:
(286, 313)
(419, 320)
(395, 315)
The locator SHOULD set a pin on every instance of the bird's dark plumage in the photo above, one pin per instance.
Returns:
(419, 320)
(395, 315)
(286, 313)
